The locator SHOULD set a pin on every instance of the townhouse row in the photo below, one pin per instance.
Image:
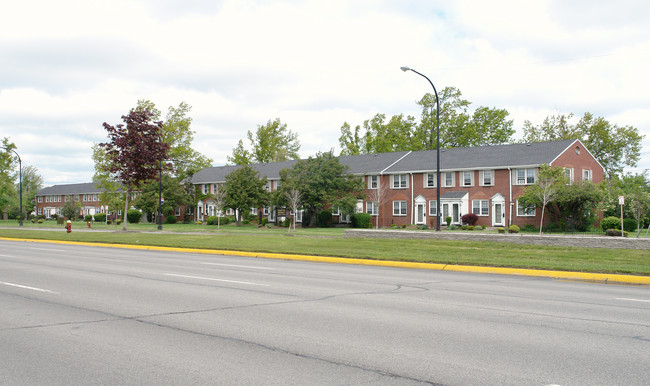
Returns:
(401, 187)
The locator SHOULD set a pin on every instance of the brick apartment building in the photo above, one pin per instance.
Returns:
(485, 180)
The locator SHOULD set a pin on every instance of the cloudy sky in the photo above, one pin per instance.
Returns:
(68, 66)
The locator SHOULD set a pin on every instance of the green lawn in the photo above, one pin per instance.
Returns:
(330, 242)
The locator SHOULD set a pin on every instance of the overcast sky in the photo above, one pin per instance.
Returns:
(68, 66)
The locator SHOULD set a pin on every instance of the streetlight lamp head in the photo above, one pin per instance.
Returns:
(405, 68)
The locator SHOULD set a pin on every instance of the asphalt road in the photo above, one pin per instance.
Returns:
(89, 315)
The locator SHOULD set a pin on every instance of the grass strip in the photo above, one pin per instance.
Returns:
(596, 260)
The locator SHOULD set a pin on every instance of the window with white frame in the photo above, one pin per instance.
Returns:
(177, 211)
(525, 211)
(586, 175)
(373, 182)
(40, 211)
(569, 174)
(430, 180)
(336, 211)
(253, 210)
(400, 181)
(525, 176)
(481, 207)
(267, 186)
(230, 212)
(399, 208)
(47, 198)
(371, 208)
(468, 178)
(487, 178)
(449, 179)
(433, 208)
(40, 199)
(205, 188)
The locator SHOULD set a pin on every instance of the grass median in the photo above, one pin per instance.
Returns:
(330, 242)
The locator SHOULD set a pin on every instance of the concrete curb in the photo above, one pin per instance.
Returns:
(563, 275)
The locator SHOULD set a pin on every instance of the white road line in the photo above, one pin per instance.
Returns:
(213, 279)
(29, 288)
(48, 249)
(238, 266)
(6, 256)
(634, 300)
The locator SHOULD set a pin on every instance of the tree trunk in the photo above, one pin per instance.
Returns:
(126, 207)
(541, 222)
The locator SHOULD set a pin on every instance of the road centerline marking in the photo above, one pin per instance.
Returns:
(48, 249)
(238, 266)
(215, 279)
(634, 300)
(28, 287)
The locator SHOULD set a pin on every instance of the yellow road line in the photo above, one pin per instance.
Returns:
(584, 276)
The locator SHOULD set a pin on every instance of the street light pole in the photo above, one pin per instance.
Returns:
(20, 184)
(159, 217)
(437, 144)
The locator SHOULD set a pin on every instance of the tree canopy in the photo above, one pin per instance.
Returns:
(8, 176)
(321, 179)
(245, 190)
(135, 152)
(458, 127)
(613, 146)
(271, 142)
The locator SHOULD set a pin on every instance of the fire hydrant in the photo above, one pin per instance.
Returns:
(88, 224)
(68, 226)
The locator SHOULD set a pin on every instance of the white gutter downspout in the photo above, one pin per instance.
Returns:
(412, 202)
(510, 206)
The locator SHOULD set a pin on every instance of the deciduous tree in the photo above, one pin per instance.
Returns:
(245, 190)
(545, 190)
(271, 142)
(135, 151)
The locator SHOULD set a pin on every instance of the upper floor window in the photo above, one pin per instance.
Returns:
(400, 181)
(449, 179)
(468, 178)
(486, 177)
(373, 182)
(40, 199)
(586, 175)
(430, 180)
(525, 176)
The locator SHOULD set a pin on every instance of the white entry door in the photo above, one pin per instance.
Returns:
(498, 215)
(420, 214)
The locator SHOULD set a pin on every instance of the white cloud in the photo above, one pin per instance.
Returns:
(69, 66)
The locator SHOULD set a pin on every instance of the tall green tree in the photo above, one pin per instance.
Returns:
(271, 142)
(135, 151)
(576, 205)
(32, 183)
(173, 193)
(615, 147)
(546, 189)
(321, 180)
(8, 175)
(71, 207)
(635, 187)
(112, 195)
(245, 190)
(459, 127)
(176, 131)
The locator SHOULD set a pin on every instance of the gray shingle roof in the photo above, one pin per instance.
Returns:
(480, 157)
(58, 190)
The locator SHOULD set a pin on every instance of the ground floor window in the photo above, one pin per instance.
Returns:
(481, 207)
(433, 207)
(399, 208)
(371, 208)
(525, 211)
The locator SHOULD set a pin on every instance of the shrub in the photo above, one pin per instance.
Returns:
(287, 222)
(423, 227)
(513, 229)
(610, 223)
(448, 220)
(306, 219)
(530, 228)
(199, 222)
(100, 217)
(40, 220)
(463, 227)
(469, 219)
(629, 224)
(501, 230)
(470, 227)
(108, 222)
(452, 227)
(361, 220)
(133, 216)
(615, 232)
(118, 221)
(211, 220)
(88, 218)
(264, 221)
(171, 219)
(246, 222)
(54, 216)
(324, 219)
